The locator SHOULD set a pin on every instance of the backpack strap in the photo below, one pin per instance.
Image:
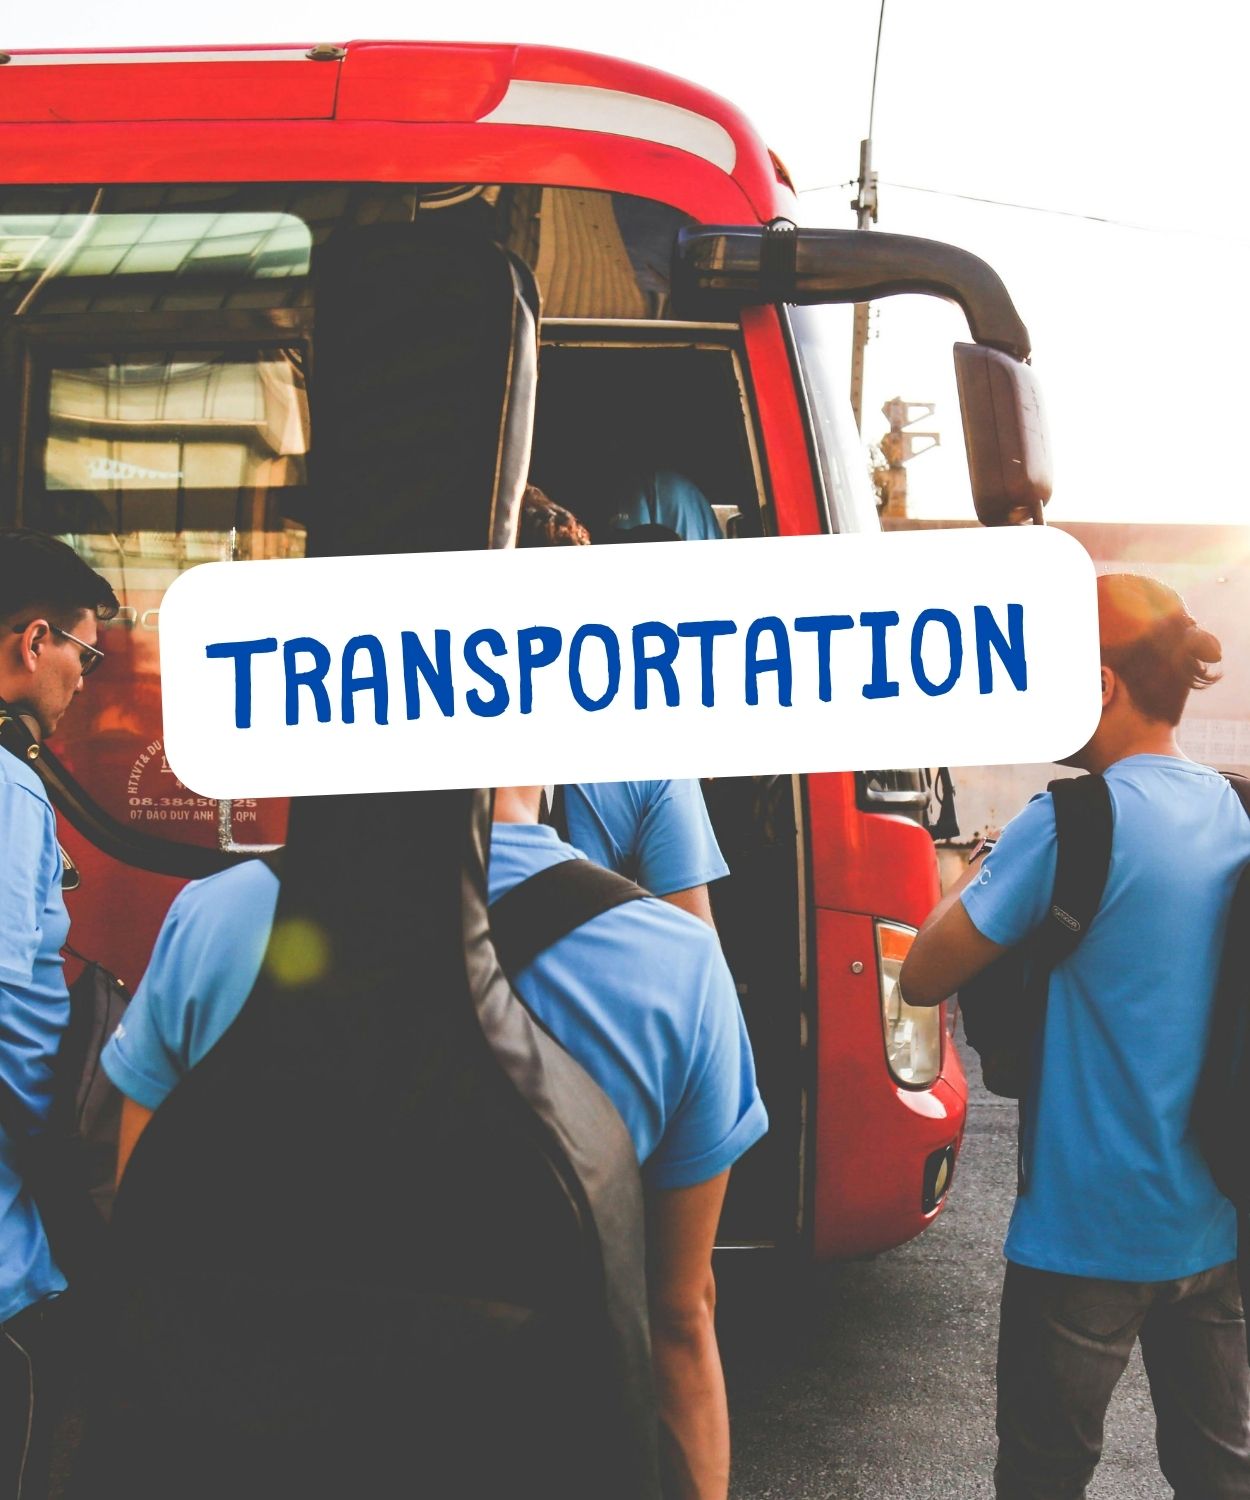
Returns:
(1222, 1101)
(538, 912)
(15, 734)
(1083, 825)
(1083, 829)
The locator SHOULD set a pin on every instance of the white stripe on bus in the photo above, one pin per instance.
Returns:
(572, 106)
(97, 59)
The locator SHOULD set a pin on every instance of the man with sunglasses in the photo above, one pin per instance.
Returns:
(50, 605)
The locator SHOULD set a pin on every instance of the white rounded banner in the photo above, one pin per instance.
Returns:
(784, 654)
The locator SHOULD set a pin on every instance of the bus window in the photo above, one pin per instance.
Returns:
(161, 361)
(157, 347)
(613, 411)
(820, 344)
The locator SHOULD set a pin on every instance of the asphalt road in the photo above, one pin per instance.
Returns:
(875, 1380)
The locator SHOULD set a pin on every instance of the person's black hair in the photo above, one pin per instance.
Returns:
(40, 575)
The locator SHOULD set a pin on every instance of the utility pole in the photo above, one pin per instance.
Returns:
(900, 447)
(865, 205)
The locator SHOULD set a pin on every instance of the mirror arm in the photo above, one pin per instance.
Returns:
(777, 262)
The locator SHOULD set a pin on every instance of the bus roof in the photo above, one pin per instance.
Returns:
(425, 83)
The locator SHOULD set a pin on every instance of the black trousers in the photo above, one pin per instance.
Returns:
(1063, 1344)
(35, 1376)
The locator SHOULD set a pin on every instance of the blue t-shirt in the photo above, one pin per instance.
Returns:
(34, 1011)
(655, 832)
(1116, 1186)
(668, 499)
(639, 995)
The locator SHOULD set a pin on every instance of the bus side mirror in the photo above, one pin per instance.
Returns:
(1009, 466)
(720, 268)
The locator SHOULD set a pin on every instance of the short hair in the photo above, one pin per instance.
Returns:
(40, 573)
(1150, 640)
(543, 523)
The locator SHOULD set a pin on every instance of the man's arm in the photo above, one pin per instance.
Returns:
(676, 849)
(695, 900)
(690, 1386)
(948, 950)
(134, 1122)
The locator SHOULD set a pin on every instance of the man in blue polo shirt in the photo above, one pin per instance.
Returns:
(1119, 1231)
(657, 833)
(640, 996)
(50, 602)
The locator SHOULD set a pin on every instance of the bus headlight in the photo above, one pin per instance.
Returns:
(913, 1033)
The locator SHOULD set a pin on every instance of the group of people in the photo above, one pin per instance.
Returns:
(1120, 1232)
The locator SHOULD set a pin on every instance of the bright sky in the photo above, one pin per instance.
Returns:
(1109, 109)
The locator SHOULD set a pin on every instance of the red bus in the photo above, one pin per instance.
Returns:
(157, 345)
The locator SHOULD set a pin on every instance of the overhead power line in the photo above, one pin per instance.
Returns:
(1036, 208)
(1068, 213)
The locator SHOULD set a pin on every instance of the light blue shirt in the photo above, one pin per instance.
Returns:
(657, 833)
(668, 499)
(1116, 1185)
(639, 995)
(34, 1011)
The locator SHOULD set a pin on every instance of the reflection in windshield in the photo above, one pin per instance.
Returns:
(59, 257)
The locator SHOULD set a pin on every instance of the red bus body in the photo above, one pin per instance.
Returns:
(399, 112)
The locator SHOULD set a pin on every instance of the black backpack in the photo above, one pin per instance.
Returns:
(1003, 1007)
(1221, 1116)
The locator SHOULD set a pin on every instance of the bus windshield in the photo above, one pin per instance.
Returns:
(158, 343)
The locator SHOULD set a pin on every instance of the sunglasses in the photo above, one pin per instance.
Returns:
(89, 657)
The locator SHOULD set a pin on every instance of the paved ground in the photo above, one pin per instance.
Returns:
(875, 1380)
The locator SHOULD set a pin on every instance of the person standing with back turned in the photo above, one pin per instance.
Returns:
(639, 995)
(50, 603)
(1119, 1231)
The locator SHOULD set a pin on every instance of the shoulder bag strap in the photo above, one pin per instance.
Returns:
(538, 912)
(15, 736)
(1083, 824)
(1083, 828)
